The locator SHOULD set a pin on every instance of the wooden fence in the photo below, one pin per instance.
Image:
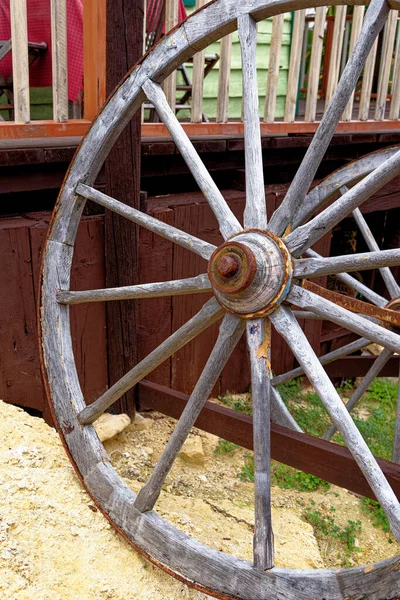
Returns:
(320, 43)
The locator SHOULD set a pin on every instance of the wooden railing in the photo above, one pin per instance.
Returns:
(94, 47)
(320, 44)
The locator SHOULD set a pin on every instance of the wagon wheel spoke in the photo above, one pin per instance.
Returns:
(373, 372)
(230, 332)
(191, 285)
(228, 223)
(325, 359)
(332, 312)
(259, 342)
(209, 314)
(359, 287)
(287, 326)
(286, 213)
(306, 235)
(173, 234)
(315, 267)
(255, 214)
(387, 275)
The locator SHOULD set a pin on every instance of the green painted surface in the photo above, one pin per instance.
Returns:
(41, 102)
(262, 58)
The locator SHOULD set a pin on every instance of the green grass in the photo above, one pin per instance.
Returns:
(240, 403)
(225, 447)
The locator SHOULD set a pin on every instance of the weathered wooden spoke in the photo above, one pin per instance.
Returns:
(289, 329)
(173, 234)
(231, 330)
(286, 213)
(387, 276)
(228, 223)
(374, 371)
(314, 267)
(306, 235)
(259, 342)
(192, 285)
(253, 276)
(255, 213)
(356, 285)
(209, 314)
(339, 315)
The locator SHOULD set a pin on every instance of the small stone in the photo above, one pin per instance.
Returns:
(141, 424)
(193, 451)
(108, 426)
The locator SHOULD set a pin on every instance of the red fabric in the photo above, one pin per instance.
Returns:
(39, 30)
(152, 14)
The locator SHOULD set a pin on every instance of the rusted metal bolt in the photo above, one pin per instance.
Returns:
(228, 266)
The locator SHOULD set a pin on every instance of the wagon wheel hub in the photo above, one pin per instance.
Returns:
(251, 273)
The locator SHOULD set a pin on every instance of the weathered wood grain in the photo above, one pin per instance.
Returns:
(286, 213)
(315, 64)
(259, 342)
(294, 66)
(231, 330)
(288, 327)
(196, 114)
(367, 81)
(20, 62)
(385, 65)
(132, 214)
(356, 396)
(332, 312)
(306, 235)
(209, 314)
(58, 9)
(255, 213)
(315, 267)
(358, 15)
(227, 221)
(224, 79)
(171, 20)
(192, 285)
(273, 68)
(336, 51)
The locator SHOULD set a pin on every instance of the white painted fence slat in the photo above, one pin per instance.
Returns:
(224, 79)
(315, 63)
(171, 19)
(395, 101)
(294, 66)
(198, 80)
(273, 68)
(385, 65)
(366, 87)
(20, 64)
(358, 16)
(58, 9)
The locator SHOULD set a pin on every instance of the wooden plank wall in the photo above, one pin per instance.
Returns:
(21, 243)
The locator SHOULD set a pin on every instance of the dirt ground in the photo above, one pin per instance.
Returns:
(55, 545)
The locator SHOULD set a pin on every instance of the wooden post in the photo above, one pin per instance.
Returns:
(94, 56)
(224, 79)
(315, 64)
(171, 19)
(122, 169)
(19, 36)
(59, 59)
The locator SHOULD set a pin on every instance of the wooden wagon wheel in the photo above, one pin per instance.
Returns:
(335, 184)
(255, 277)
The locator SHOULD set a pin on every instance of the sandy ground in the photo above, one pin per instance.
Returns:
(55, 545)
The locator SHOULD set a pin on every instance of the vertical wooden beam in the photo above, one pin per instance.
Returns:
(122, 170)
(315, 63)
(198, 80)
(224, 79)
(94, 56)
(358, 16)
(336, 51)
(273, 68)
(385, 64)
(366, 86)
(171, 19)
(58, 9)
(19, 36)
(294, 66)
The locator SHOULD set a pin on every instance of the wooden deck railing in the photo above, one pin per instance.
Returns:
(94, 46)
(320, 44)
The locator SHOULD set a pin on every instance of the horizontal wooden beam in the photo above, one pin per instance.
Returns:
(78, 127)
(323, 459)
(357, 366)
